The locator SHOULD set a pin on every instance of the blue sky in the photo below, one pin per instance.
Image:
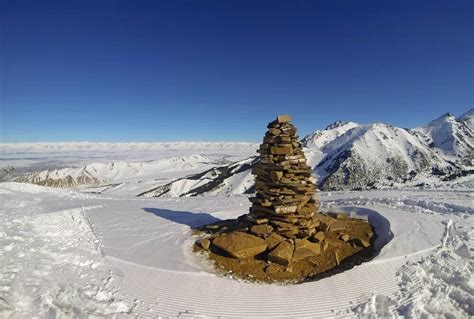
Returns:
(220, 70)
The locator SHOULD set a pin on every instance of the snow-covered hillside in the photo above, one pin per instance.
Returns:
(468, 118)
(95, 174)
(119, 168)
(227, 180)
(381, 155)
(451, 136)
(319, 139)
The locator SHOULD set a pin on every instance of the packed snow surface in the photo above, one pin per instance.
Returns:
(70, 254)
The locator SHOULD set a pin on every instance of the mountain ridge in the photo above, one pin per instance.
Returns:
(346, 156)
(352, 156)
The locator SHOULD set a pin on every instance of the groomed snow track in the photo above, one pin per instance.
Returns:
(171, 294)
(189, 289)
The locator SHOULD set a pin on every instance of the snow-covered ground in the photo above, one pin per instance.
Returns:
(70, 254)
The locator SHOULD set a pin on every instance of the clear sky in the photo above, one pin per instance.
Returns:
(220, 70)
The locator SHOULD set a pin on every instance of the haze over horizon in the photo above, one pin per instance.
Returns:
(258, 140)
(219, 71)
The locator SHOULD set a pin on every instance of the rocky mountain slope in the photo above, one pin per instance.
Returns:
(380, 155)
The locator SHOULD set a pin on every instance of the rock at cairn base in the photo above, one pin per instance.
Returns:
(284, 184)
(240, 245)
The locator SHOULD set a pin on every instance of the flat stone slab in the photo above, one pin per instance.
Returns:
(282, 254)
(338, 225)
(273, 240)
(284, 149)
(283, 118)
(305, 249)
(240, 245)
(261, 230)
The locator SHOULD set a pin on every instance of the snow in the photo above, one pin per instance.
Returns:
(51, 263)
(450, 135)
(233, 179)
(441, 283)
(318, 139)
(114, 148)
(28, 157)
(71, 254)
(136, 175)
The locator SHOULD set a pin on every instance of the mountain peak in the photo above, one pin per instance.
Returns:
(336, 124)
(468, 118)
(468, 115)
(443, 118)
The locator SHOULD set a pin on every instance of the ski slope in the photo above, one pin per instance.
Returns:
(70, 254)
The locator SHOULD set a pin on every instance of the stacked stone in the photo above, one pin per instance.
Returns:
(284, 185)
(283, 227)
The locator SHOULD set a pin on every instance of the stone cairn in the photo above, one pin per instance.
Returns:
(283, 225)
(284, 185)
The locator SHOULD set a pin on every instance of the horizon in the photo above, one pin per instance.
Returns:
(154, 72)
(457, 116)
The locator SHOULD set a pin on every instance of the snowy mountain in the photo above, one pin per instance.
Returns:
(350, 156)
(378, 155)
(230, 179)
(344, 156)
(451, 136)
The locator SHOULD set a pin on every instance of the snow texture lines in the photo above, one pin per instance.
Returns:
(445, 278)
(169, 294)
(50, 264)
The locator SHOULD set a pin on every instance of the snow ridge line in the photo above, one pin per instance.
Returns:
(80, 211)
(52, 266)
(90, 225)
(438, 285)
(449, 224)
(130, 263)
(419, 252)
(415, 205)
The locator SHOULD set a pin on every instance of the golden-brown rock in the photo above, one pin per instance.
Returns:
(282, 254)
(240, 245)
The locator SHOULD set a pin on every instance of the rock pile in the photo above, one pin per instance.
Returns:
(283, 237)
(284, 185)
